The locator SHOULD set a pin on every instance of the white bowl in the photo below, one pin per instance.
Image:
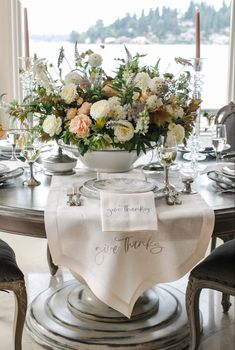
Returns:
(110, 161)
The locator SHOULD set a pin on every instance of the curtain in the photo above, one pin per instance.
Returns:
(231, 72)
(10, 48)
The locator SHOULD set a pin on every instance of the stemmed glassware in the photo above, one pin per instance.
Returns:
(30, 145)
(167, 152)
(219, 139)
(13, 137)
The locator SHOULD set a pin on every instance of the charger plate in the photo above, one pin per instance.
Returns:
(220, 178)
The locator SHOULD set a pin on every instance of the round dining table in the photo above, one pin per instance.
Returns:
(91, 326)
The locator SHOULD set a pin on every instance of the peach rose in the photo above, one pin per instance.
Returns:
(2, 131)
(71, 113)
(80, 125)
(85, 108)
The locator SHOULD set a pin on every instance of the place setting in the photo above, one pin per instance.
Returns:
(7, 173)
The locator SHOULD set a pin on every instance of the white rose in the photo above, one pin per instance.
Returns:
(100, 109)
(142, 80)
(69, 93)
(124, 131)
(154, 102)
(176, 130)
(73, 77)
(157, 85)
(52, 125)
(95, 60)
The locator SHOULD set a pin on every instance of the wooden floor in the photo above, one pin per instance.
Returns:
(219, 329)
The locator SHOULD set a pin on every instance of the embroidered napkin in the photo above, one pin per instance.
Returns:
(128, 212)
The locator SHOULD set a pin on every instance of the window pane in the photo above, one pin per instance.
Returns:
(169, 33)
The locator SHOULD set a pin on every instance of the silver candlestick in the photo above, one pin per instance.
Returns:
(197, 89)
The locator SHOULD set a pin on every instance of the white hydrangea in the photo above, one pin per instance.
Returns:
(73, 77)
(153, 102)
(52, 125)
(69, 93)
(100, 109)
(142, 80)
(124, 131)
(157, 85)
(114, 101)
(95, 60)
(176, 130)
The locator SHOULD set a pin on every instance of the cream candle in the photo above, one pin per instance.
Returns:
(197, 34)
(26, 34)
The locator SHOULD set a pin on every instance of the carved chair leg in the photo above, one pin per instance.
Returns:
(192, 306)
(20, 312)
(213, 243)
(226, 302)
(52, 267)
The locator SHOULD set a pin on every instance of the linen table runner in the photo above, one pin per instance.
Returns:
(120, 266)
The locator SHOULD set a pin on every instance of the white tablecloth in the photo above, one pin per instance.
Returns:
(120, 266)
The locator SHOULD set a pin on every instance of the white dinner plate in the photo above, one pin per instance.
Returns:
(229, 171)
(3, 169)
(124, 185)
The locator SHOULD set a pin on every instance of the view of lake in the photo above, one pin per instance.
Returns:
(214, 72)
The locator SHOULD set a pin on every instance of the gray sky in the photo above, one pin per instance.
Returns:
(63, 16)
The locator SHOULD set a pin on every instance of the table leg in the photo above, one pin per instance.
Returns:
(53, 268)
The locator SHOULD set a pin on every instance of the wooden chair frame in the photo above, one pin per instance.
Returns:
(19, 291)
(193, 292)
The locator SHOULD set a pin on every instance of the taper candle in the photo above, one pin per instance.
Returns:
(197, 33)
(26, 34)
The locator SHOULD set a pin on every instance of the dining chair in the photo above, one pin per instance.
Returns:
(12, 279)
(226, 115)
(214, 272)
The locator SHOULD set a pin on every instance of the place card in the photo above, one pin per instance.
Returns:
(128, 212)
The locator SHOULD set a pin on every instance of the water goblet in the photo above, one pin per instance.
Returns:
(13, 137)
(30, 149)
(167, 152)
(219, 139)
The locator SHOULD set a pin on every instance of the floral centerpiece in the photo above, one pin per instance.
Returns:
(94, 111)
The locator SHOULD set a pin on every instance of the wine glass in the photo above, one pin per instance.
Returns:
(167, 152)
(13, 137)
(219, 139)
(30, 148)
